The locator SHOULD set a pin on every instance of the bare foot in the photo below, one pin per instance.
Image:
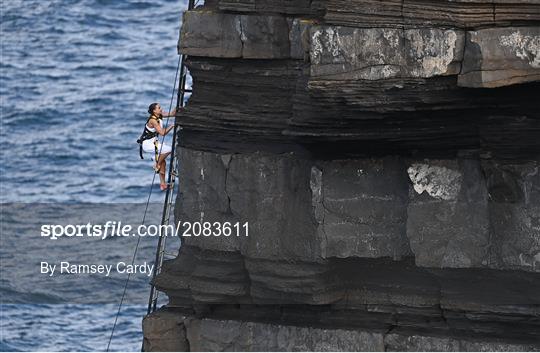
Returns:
(163, 187)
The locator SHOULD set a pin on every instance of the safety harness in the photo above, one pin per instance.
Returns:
(147, 135)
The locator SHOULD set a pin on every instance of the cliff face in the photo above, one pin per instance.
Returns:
(386, 157)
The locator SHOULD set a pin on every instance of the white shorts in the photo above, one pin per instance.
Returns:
(148, 147)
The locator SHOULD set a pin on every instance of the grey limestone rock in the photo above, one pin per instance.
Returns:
(411, 343)
(431, 13)
(497, 57)
(208, 33)
(164, 332)
(295, 210)
(514, 194)
(382, 53)
(279, 6)
(221, 35)
(472, 214)
(448, 220)
(215, 335)
(363, 208)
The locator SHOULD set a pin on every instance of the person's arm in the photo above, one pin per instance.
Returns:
(169, 128)
(171, 113)
(161, 131)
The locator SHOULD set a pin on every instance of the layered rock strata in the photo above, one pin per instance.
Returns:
(386, 157)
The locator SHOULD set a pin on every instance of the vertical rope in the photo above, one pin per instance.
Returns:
(180, 102)
(144, 217)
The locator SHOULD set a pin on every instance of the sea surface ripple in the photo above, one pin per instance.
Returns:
(76, 78)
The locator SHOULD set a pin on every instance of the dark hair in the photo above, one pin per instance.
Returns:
(151, 108)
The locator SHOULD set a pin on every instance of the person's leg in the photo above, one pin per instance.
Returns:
(162, 167)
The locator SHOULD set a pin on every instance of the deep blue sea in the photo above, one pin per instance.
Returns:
(77, 77)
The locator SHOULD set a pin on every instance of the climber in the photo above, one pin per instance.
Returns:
(149, 140)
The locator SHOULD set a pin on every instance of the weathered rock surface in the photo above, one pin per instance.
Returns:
(500, 57)
(386, 157)
(245, 104)
(429, 13)
(459, 213)
(280, 6)
(360, 208)
(514, 213)
(234, 36)
(344, 53)
(213, 335)
(448, 219)
(491, 57)
(395, 90)
(164, 332)
(405, 243)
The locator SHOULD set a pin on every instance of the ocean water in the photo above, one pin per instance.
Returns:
(77, 77)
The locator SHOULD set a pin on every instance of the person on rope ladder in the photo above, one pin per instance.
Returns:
(149, 141)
